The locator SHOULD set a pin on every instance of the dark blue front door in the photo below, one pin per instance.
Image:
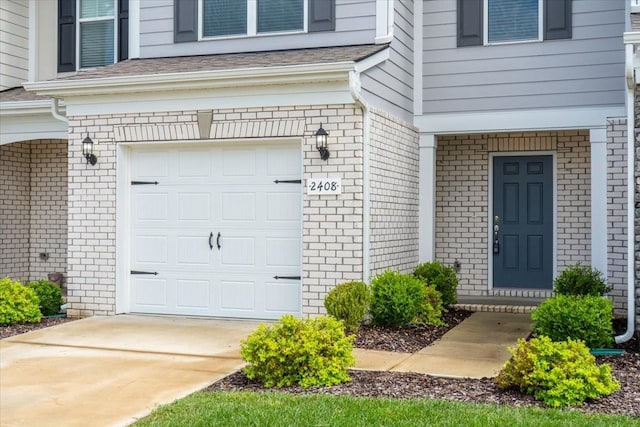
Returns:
(523, 222)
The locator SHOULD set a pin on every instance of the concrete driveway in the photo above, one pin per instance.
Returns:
(104, 371)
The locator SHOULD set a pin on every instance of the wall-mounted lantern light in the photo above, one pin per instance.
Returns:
(321, 143)
(87, 151)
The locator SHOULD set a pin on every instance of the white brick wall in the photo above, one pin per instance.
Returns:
(617, 212)
(33, 216)
(332, 225)
(462, 198)
(14, 210)
(394, 194)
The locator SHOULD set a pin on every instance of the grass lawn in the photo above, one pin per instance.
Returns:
(280, 409)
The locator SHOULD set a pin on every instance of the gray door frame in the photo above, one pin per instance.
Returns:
(490, 210)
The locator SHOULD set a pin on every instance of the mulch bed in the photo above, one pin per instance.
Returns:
(626, 369)
(9, 331)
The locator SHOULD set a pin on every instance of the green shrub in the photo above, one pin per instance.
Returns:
(430, 312)
(396, 298)
(308, 352)
(581, 280)
(348, 302)
(18, 304)
(50, 296)
(588, 318)
(559, 373)
(442, 277)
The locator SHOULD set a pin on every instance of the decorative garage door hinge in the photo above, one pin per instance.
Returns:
(287, 277)
(144, 182)
(288, 181)
(155, 273)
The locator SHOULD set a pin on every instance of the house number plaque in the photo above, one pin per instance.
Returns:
(320, 186)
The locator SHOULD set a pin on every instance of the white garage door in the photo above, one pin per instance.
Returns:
(215, 231)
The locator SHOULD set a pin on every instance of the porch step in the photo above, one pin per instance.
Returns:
(496, 308)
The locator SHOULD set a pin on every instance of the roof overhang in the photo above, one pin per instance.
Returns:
(245, 77)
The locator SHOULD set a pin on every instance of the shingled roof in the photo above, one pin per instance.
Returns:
(17, 94)
(230, 61)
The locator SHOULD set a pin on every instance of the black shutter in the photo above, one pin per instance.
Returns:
(470, 23)
(66, 35)
(185, 21)
(123, 30)
(322, 15)
(557, 19)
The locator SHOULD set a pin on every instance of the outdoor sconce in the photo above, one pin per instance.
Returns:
(87, 151)
(321, 143)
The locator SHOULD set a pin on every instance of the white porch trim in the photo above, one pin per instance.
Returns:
(427, 198)
(598, 138)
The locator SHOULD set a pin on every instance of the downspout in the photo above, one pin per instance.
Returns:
(355, 89)
(55, 111)
(630, 196)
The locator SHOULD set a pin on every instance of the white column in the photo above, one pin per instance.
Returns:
(598, 139)
(134, 29)
(427, 201)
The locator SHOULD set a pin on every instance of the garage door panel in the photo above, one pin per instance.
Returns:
(151, 207)
(238, 162)
(283, 206)
(282, 297)
(193, 294)
(283, 252)
(151, 249)
(238, 206)
(151, 164)
(150, 292)
(283, 162)
(194, 206)
(194, 163)
(192, 250)
(237, 295)
(238, 251)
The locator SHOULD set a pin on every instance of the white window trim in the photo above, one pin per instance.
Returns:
(252, 23)
(80, 21)
(485, 25)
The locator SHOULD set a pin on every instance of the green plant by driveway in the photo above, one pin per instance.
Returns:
(560, 373)
(348, 302)
(18, 303)
(396, 298)
(50, 296)
(588, 318)
(308, 352)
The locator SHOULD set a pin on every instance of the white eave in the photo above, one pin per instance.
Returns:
(13, 108)
(262, 76)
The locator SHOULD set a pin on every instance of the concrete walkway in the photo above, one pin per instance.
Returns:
(476, 348)
(104, 371)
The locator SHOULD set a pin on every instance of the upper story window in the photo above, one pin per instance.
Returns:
(196, 19)
(92, 33)
(250, 17)
(513, 20)
(508, 21)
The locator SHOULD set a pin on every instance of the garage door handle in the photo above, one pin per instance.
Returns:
(210, 244)
(287, 277)
(218, 240)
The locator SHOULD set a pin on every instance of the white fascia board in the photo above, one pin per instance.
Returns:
(212, 98)
(372, 61)
(518, 120)
(20, 108)
(631, 37)
(291, 74)
(17, 128)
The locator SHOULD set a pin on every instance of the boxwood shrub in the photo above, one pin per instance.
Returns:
(50, 296)
(560, 373)
(396, 299)
(588, 318)
(348, 302)
(18, 303)
(442, 277)
(308, 352)
(581, 280)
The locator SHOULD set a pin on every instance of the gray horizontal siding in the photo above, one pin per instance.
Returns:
(389, 86)
(14, 43)
(586, 71)
(355, 24)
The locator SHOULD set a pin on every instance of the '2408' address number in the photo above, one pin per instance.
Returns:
(324, 186)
